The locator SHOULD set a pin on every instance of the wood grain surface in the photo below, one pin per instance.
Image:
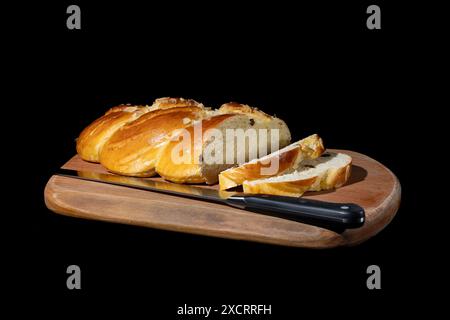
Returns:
(372, 186)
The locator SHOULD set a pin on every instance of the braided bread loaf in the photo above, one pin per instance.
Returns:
(139, 140)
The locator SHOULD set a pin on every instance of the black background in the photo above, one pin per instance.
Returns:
(314, 65)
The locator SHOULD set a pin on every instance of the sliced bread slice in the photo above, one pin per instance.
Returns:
(273, 164)
(329, 171)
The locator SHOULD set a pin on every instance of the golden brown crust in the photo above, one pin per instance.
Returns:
(93, 137)
(282, 188)
(167, 102)
(234, 107)
(189, 172)
(133, 150)
(124, 108)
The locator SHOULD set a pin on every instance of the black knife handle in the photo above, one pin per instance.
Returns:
(326, 214)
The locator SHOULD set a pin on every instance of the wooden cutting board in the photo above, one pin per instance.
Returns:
(372, 186)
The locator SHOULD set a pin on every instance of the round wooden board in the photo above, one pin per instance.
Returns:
(372, 186)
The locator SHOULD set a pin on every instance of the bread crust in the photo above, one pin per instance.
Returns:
(290, 188)
(133, 150)
(125, 108)
(308, 148)
(168, 102)
(234, 107)
(93, 137)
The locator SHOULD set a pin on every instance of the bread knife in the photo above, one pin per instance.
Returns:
(334, 216)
